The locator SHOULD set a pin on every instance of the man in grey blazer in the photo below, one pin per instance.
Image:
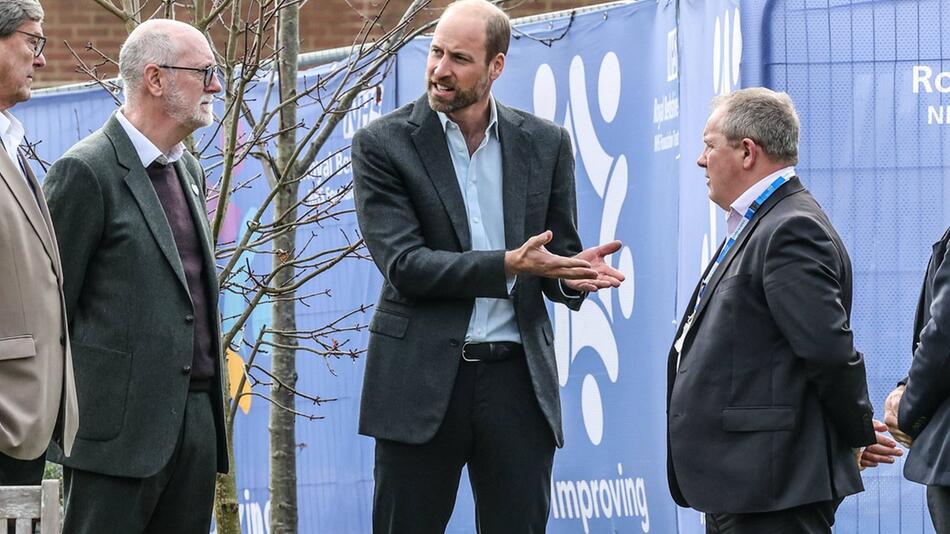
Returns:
(468, 209)
(918, 410)
(128, 203)
(767, 402)
(37, 395)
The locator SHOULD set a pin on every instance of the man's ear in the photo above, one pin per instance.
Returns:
(496, 67)
(152, 80)
(750, 153)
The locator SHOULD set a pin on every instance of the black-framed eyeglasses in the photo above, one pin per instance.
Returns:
(38, 42)
(210, 72)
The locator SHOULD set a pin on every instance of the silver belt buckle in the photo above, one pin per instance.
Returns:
(466, 358)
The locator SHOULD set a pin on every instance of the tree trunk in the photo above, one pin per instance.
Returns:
(283, 444)
(226, 511)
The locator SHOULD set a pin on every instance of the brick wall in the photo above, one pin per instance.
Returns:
(323, 24)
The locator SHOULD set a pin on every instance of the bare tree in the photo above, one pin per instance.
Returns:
(261, 51)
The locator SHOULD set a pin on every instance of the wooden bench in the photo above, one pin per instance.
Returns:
(23, 504)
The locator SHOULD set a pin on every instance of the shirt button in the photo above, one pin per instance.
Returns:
(186, 370)
(475, 220)
(189, 318)
(453, 342)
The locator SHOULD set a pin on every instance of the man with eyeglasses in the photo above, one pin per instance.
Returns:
(37, 395)
(141, 293)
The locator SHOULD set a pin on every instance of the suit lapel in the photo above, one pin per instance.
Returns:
(144, 194)
(44, 210)
(429, 140)
(29, 203)
(792, 186)
(515, 145)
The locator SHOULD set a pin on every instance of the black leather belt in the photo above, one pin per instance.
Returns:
(491, 352)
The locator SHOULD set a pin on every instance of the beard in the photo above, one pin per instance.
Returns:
(462, 98)
(191, 115)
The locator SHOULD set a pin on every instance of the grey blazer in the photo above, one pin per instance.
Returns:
(770, 395)
(925, 407)
(128, 305)
(412, 216)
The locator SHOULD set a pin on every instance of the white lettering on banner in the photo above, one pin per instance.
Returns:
(590, 499)
(938, 114)
(253, 518)
(923, 80)
(665, 142)
(665, 109)
(368, 105)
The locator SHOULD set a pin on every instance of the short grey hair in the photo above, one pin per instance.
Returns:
(765, 116)
(148, 43)
(13, 13)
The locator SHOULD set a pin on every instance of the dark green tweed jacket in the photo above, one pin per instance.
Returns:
(128, 306)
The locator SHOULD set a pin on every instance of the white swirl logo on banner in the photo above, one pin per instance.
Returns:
(592, 326)
(727, 55)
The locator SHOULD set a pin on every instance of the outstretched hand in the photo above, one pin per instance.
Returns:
(607, 276)
(533, 258)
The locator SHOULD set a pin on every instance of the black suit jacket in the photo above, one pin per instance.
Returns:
(412, 216)
(925, 407)
(128, 307)
(770, 395)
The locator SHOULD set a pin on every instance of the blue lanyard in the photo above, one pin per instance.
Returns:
(779, 182)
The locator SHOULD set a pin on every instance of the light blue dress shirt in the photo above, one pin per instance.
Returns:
(480, 181)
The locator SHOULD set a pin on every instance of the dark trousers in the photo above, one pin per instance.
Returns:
(938, 500)
(15, 472)
(813, 518)
(494, 424)
(179, 498)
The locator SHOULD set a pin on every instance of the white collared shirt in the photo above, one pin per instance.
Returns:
(146, 149)
(12, 134)
(741, 204)
(480, 182)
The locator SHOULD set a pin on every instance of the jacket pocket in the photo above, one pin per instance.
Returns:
(12, 348)
(758, 418)
(102, 385)
(389, 324)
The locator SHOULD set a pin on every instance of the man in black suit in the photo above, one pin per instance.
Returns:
(460, 366)
(918, 410)
(128, 203)
(768, 407)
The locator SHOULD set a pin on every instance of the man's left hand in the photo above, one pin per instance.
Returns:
(607, 276)
(882, 452)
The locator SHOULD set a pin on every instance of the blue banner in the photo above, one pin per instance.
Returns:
(632, 85)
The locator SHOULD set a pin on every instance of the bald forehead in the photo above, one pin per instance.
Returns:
(461, 31)
(473, 8)
(184, 37)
